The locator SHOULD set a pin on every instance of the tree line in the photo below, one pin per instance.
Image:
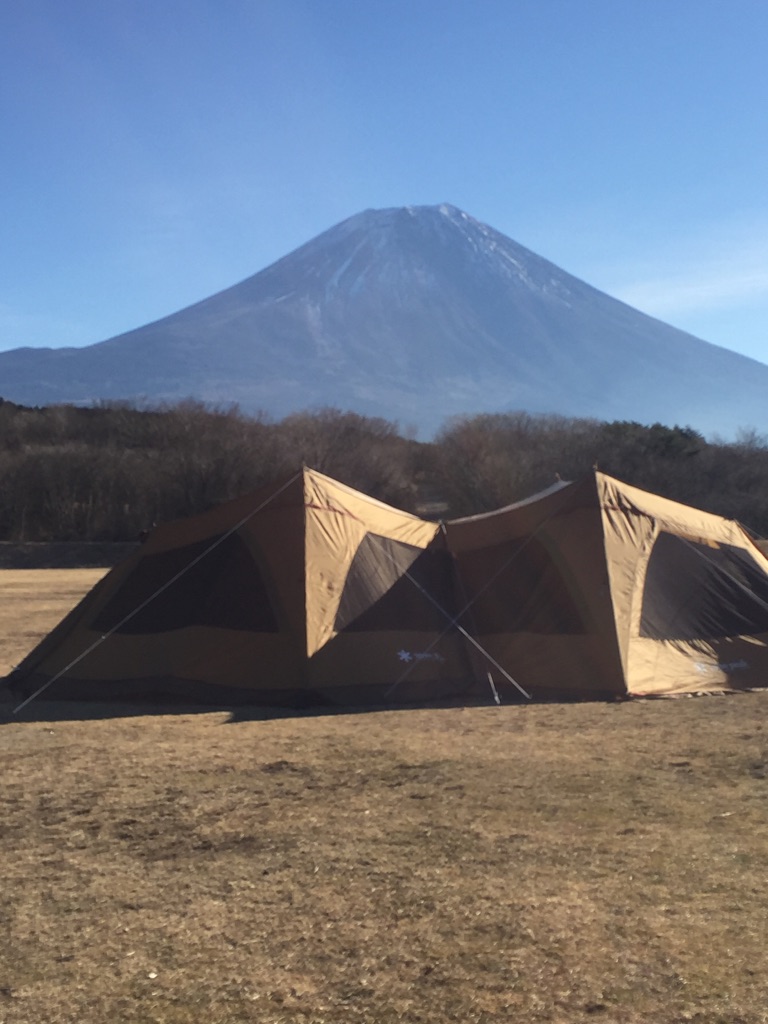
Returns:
(108, 472)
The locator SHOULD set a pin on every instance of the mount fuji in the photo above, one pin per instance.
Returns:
(414, 314)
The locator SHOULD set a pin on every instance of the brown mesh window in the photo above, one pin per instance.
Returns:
(378, 596)
(697, 592)
(223, 589)
(518, 587)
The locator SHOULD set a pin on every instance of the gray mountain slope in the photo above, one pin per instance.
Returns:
(413, 314)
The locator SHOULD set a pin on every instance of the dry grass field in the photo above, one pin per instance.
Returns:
(32, 601)
(588, 862)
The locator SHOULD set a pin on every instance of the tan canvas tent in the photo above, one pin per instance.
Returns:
(307, 591)
(600, 589)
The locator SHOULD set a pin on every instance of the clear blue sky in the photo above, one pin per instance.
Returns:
(157, 151)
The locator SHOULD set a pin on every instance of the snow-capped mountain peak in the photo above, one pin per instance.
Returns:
(415, 314)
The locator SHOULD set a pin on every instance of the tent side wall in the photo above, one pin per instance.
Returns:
(379, 612)
(691, 595)
(537, 581)
(229, 629)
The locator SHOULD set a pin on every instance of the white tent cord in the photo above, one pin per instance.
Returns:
(472, 620)
(97, 643)
(452, 622)
(474, 643)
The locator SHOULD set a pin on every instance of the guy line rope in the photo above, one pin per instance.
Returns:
(170, 582)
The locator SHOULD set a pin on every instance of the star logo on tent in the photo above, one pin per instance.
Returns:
(405, 656)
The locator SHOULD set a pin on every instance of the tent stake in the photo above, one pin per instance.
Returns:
(494, 691)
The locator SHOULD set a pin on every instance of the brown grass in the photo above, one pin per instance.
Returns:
(32, 601)
(540, 863)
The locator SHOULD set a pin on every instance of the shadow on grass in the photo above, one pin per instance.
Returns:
(42, 710)
(301, 704)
